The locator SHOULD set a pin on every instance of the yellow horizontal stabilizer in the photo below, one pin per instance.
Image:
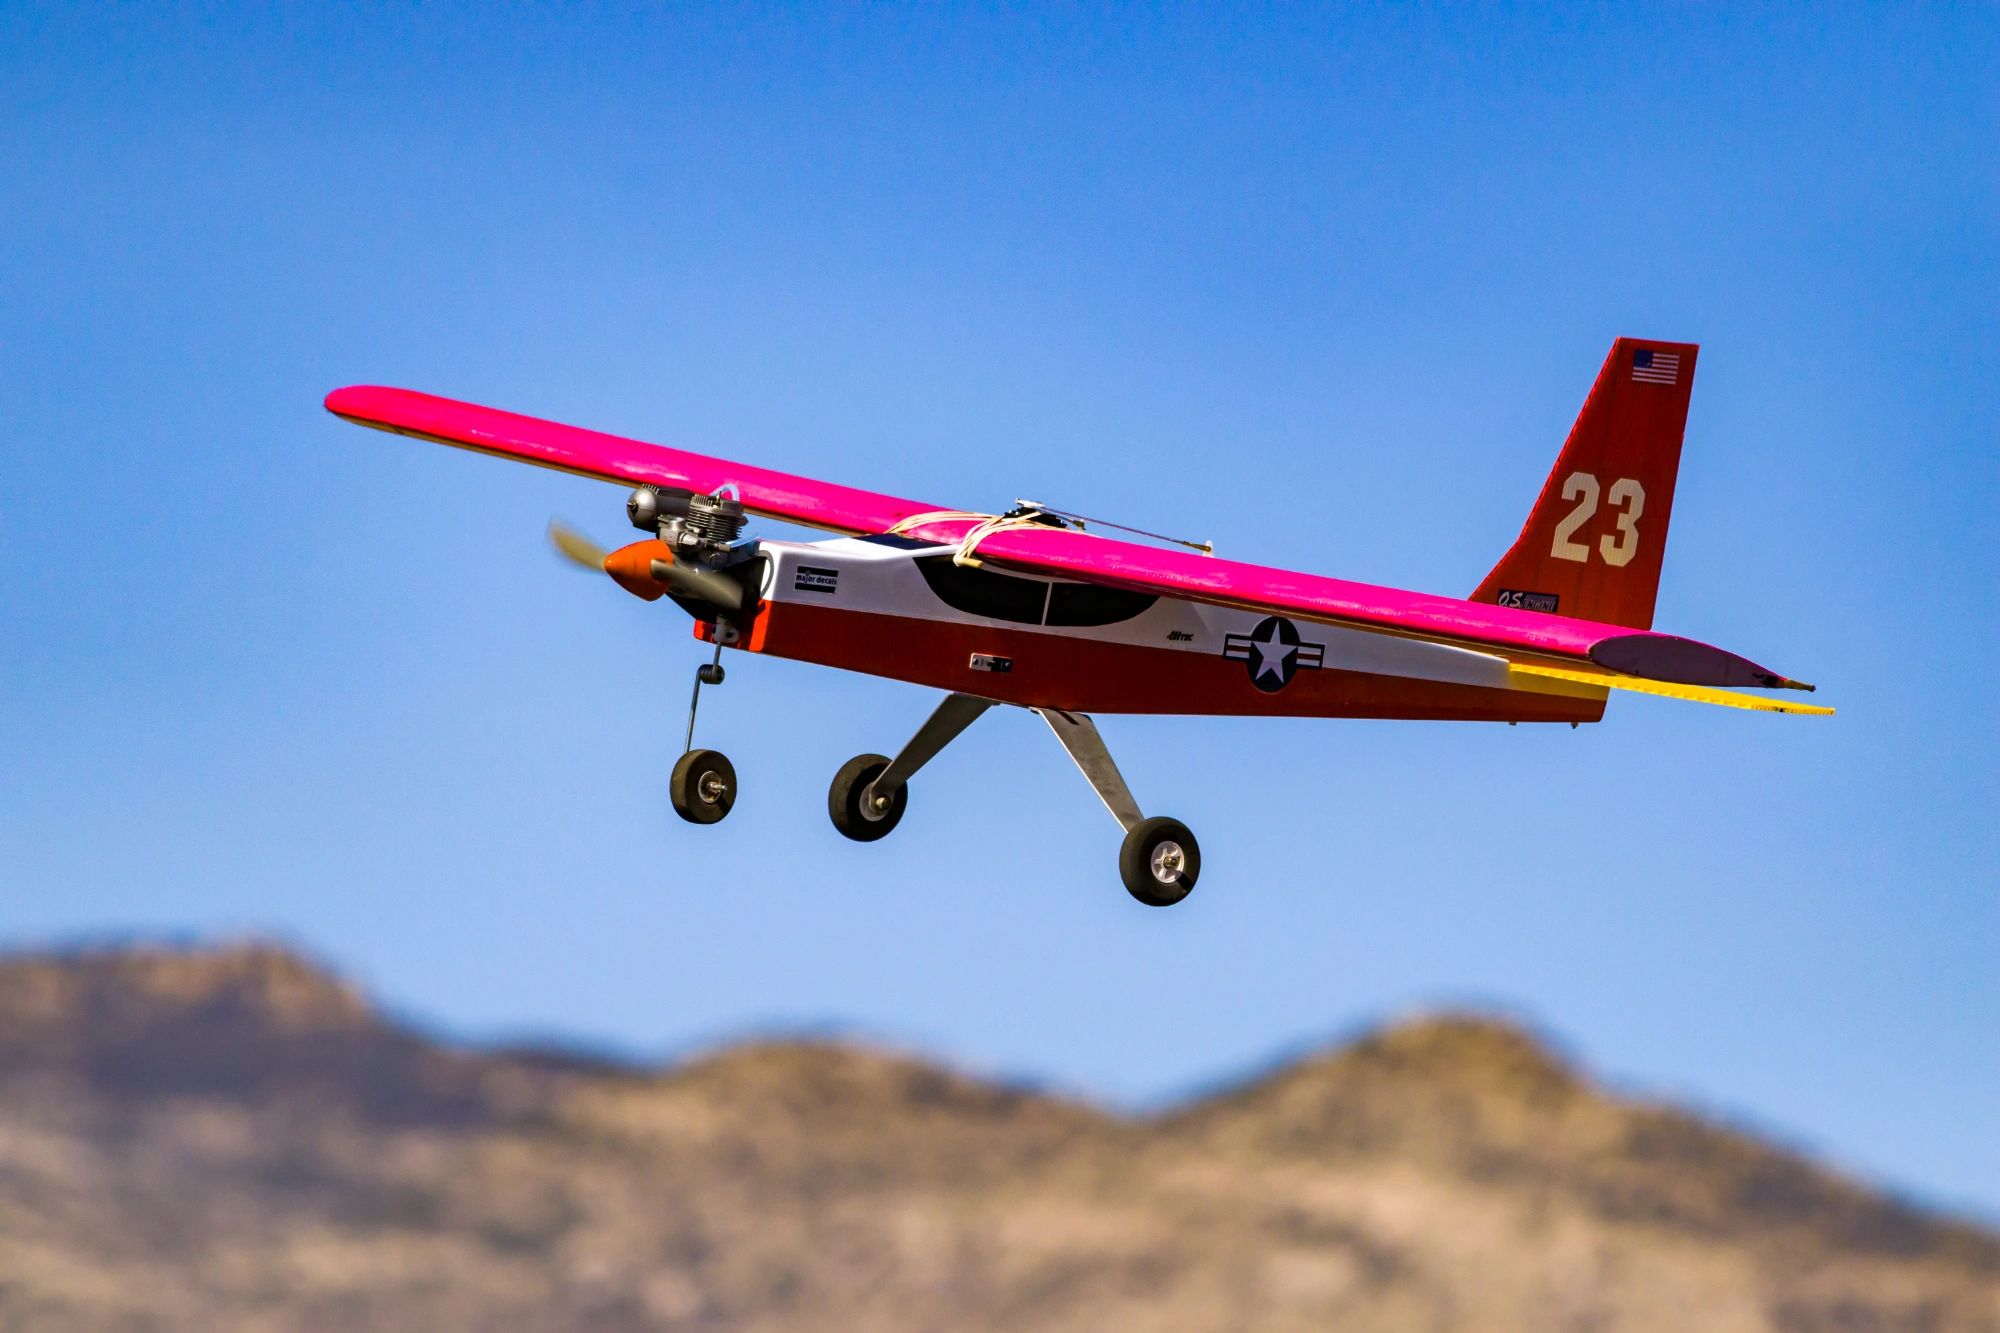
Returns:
(1700, 694)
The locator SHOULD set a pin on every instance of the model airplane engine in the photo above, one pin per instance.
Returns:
(698, 529)
(694, 559)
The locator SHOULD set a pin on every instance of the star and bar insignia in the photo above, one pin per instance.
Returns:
(1273, 653)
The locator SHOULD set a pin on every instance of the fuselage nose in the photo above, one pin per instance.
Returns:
(631, 568)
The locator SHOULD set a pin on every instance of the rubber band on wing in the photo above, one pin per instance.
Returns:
(1701, 694)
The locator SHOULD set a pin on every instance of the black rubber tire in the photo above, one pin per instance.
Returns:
(843, 800)
(703, 786)
(1135, 862)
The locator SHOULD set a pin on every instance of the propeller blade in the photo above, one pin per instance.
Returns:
(577, 547)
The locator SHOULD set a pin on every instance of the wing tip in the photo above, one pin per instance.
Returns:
(367, 402)
(351, 401)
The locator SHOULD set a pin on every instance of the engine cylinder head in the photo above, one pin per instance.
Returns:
(715, 519)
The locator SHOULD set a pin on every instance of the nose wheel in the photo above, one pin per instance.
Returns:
(703, 783)
(703, 786)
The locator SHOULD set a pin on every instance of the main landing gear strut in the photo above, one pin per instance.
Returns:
(1159, 861)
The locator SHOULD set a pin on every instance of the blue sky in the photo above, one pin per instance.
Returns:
(1325, 286)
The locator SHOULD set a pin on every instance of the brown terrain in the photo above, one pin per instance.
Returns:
(232, 1139)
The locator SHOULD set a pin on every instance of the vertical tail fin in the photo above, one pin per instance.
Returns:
(1593, 542)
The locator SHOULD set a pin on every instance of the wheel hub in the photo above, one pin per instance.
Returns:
(711, 787)
(1167, 860)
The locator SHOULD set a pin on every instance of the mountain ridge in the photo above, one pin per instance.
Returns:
(192, 1136)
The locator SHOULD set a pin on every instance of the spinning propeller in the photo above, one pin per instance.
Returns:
(576, 547)
(694, 558)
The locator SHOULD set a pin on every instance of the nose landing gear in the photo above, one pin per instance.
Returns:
(703, 783)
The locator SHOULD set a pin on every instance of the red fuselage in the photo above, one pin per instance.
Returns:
(905, 611)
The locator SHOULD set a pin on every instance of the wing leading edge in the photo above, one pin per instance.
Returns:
(590, 453)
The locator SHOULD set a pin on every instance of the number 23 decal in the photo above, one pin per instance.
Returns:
(1627, 496)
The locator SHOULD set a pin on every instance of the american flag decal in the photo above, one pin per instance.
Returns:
(1651, 367)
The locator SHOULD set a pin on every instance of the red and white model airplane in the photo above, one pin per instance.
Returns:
(1030, 608)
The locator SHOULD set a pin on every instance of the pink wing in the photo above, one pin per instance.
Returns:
(591, 453)
(1054, 553)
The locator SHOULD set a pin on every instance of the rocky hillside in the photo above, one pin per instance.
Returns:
(233, 1139)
